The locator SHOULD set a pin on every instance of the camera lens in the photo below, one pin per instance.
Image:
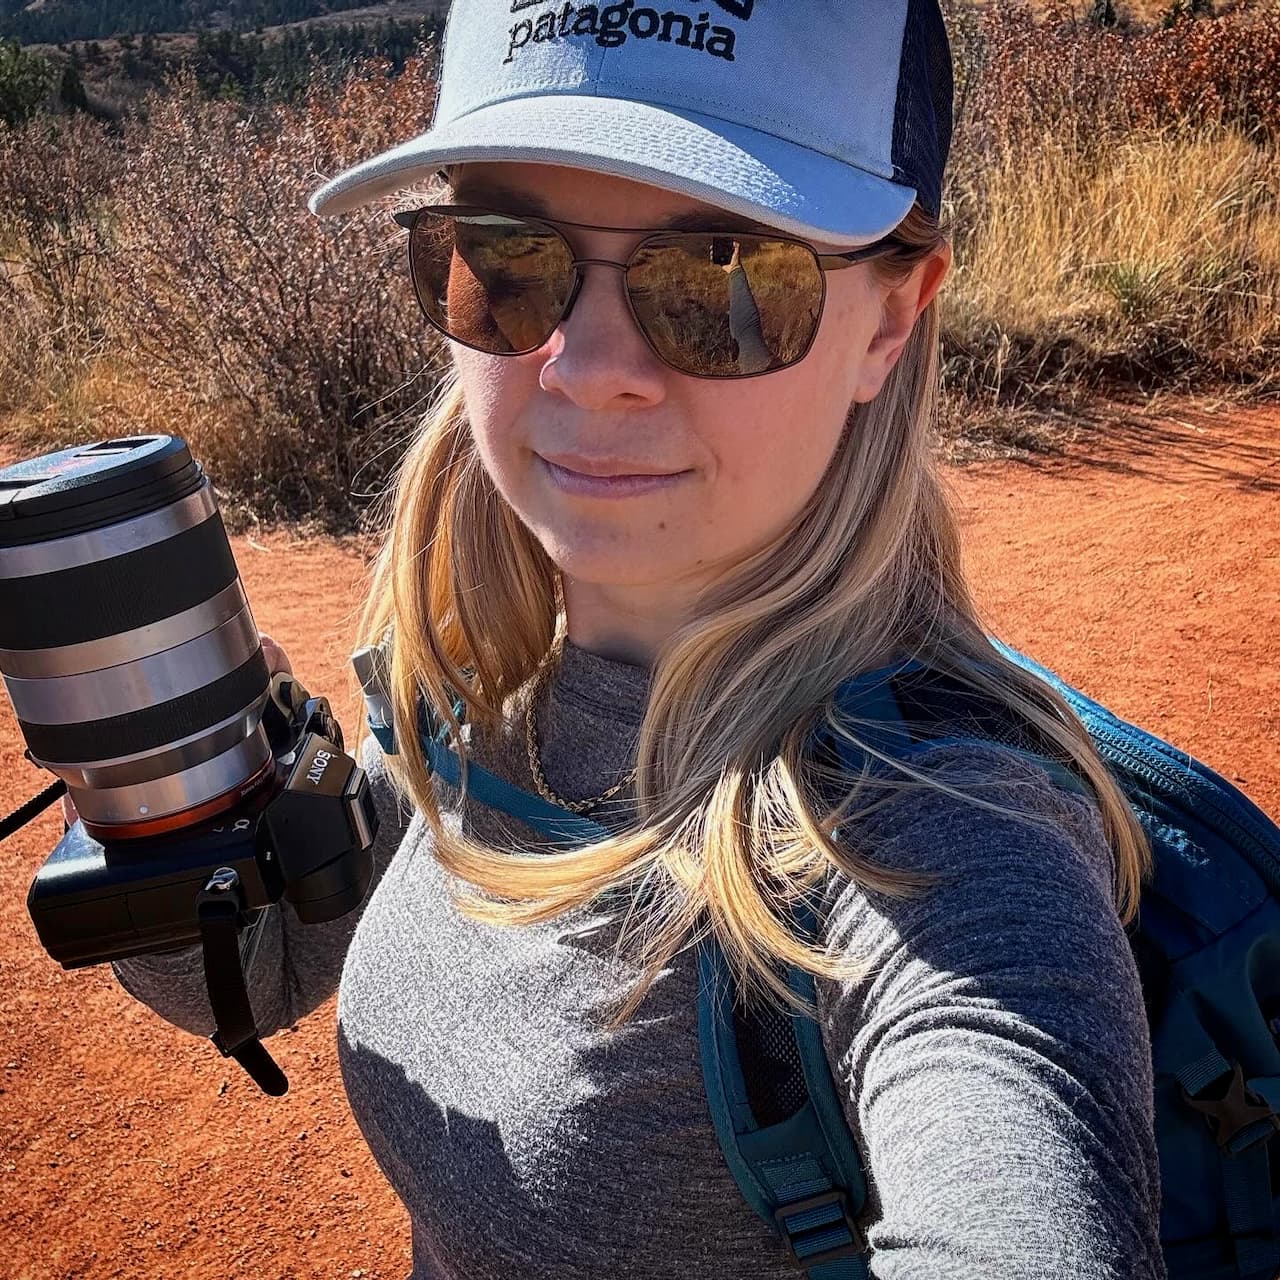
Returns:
(126, 641)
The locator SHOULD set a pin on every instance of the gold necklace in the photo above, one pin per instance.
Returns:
(535, 764)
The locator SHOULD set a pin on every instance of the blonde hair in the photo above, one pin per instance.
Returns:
(730, 830)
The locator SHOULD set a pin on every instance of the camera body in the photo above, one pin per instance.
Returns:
(306, 839)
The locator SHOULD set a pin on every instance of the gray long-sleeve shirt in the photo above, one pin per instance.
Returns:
(994, 1064)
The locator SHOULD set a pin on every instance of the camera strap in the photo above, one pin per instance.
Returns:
(219, 906)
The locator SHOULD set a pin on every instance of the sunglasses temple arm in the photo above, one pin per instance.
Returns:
(839, 261)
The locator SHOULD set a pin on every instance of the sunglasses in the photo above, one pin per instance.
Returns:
(710, 304)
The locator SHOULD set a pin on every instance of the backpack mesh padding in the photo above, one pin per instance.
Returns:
(934, 704)
(770, 1062)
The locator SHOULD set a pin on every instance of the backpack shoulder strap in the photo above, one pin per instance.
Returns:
(906, 708)
(561, 826)
(802, 1175)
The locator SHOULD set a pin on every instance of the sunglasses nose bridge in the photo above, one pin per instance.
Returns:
(579, 275)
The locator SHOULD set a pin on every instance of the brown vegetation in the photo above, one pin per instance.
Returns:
(173, 280)
(1117, 228)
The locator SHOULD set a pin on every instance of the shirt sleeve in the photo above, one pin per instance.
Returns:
(297, 966)
(994, 1062)
(744, 324)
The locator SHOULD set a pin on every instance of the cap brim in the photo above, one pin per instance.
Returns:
(798, 190)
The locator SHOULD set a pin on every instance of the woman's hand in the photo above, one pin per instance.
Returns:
(277, 660)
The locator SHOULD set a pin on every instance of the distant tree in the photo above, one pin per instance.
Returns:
(71, 90)
(1188, 8)
(1103, 13)
(25, 81)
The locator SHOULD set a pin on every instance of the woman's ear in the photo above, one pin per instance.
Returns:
(901, 306)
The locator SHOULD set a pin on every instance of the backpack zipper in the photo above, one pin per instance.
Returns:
(1238, 823)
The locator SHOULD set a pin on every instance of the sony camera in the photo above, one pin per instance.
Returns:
(207, 790)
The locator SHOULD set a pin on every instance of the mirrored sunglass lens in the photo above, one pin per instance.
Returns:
(491, 281)
(724, 306)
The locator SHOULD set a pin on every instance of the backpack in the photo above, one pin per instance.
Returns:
(1206, 942)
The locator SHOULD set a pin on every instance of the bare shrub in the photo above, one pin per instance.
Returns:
(57, 178)
(1097, 85)
(281, 330)
(1113, 193)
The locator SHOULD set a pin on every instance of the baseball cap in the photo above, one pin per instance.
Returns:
(823, 118)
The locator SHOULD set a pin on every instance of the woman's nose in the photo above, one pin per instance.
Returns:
(599, 352)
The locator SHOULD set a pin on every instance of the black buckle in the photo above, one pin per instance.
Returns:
(1233, 1112)
(857, 1242)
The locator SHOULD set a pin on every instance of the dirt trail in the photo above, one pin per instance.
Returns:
(1144, 569)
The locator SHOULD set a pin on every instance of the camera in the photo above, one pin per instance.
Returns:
(207, 789)
(722, 250)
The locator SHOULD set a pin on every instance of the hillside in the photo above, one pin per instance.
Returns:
(61, 21)
(121, 48)
(110, 75)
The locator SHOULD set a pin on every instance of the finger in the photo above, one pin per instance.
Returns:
(275, 656)
(69, 814)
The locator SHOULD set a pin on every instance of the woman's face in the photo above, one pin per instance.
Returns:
(739, 458)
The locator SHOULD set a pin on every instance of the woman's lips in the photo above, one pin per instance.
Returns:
(618, 486)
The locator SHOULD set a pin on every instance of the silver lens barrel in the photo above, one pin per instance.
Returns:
(127, 644)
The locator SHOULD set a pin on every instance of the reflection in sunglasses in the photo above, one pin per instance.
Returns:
(753, 354)
(711, 304)
(507, 296)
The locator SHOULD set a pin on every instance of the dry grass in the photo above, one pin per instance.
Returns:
(1117, 233)
(1117, 221)
(1158, 263)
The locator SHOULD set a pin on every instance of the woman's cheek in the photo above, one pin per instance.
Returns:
(502, 393)
(772, 472)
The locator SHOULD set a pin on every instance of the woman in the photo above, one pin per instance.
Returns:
(646, 573)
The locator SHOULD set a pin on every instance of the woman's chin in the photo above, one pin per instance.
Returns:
(608, 561)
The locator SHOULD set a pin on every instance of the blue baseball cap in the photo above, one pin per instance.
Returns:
(823, 118)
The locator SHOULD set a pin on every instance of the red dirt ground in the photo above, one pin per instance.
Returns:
(1144, 568)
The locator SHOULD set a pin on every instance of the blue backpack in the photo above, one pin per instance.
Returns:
(1207, 946)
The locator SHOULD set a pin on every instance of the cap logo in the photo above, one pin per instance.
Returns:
(611, 25)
